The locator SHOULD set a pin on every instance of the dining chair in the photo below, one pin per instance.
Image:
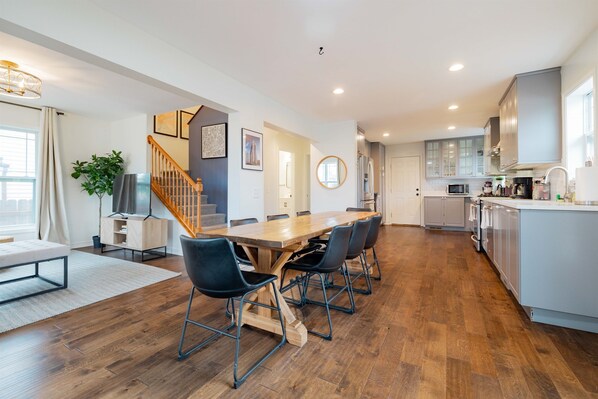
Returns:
(214, 272)
(303, 213)
(319, 264)
(276, 217)
(370, 243)
(240, 253)
(355, 251)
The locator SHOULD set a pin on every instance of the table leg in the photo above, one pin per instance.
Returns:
(263, 319)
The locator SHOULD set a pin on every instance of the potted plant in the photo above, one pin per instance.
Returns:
(99, 175)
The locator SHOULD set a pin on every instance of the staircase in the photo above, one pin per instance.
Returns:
(180, 194)
(210, 219)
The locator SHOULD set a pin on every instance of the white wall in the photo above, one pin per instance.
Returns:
(79, 138)
(338, 139)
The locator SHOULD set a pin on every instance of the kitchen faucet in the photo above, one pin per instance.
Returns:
(546, 177)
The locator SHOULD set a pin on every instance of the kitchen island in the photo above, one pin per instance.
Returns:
(547, 255)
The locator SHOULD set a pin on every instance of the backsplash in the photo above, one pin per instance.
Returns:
(438, 186)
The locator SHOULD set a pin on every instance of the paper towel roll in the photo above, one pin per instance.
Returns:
(586, 184)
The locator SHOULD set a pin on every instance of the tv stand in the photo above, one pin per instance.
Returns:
(135, 233)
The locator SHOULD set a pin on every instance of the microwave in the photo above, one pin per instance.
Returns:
(457, 189)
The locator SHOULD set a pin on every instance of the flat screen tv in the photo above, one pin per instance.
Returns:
(131, 194)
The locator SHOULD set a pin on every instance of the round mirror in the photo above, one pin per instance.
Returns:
(331, 172)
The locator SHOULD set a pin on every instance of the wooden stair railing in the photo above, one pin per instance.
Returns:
(177, 191)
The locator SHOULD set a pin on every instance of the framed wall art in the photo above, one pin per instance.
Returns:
(213, 141)
(252, 147)
(184, 119)
(166, 124)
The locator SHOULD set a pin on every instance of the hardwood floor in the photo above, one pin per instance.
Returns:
(439, 324)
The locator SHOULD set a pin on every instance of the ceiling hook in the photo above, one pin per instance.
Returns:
(321, 52)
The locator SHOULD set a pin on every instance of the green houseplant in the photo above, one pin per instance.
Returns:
(99, 175)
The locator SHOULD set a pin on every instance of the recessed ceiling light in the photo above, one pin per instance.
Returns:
(338, 90)
(451, 127)
(386, 134)
(456, 67)
(453, 107)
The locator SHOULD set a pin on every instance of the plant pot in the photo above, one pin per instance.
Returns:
(96, 242)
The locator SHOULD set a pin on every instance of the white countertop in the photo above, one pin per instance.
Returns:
(540, 205)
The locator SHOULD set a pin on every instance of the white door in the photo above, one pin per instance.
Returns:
(286, 182)
(405, 193)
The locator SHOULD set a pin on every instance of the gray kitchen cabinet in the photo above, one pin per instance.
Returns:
(433, 160)
(433, 211)
(459, 157)
(454, 212)
(505, 223)
(530, 120)
(449, 158)
(513, 275)
(444, 211)
(497, 236)
(491, 139)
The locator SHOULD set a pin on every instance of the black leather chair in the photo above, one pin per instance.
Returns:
(370, 243)
(350, 209)
(214, 272)
(240, 254)
(276, 217)
(317, 264)
(355, 251)
(303, 213)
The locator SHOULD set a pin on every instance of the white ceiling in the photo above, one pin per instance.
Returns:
(391, 57)
(76, 86)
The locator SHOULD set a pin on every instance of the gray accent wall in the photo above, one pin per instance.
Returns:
(213, 172)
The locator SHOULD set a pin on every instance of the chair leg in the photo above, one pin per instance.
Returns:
(379, 276)
(329, 335)
(241, 380)
(347, 278)
(366, 274)
(217, 333)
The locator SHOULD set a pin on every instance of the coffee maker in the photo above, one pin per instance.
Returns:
(522, 187)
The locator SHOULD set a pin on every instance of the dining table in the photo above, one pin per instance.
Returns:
(269, 245)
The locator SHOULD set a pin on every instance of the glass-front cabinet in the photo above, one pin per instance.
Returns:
(433, 159)
(459, 157)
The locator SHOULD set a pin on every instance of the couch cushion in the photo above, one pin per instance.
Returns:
(30, 251)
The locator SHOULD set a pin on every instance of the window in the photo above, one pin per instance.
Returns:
(588, 125)
(18, 161)
(579, 125)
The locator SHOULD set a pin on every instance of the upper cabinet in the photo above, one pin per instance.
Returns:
(491, 140)
(459, 157)
(530, 120)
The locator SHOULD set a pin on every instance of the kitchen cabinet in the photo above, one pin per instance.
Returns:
(444, 211)
(491, 140)
(547, 259)
(513, 274)
(506, 253)
(459, 157)
(530, 120)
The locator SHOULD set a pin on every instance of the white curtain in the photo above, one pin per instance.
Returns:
(51, 211)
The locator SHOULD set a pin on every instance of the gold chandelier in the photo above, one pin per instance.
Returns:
(17, 83)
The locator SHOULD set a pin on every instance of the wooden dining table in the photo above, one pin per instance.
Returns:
(269, 245)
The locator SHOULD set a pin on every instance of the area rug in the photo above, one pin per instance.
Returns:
(91, 278)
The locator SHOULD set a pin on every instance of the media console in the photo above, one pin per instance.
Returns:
(135, 233)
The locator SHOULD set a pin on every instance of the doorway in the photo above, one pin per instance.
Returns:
(405, 193)
(286, 182)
